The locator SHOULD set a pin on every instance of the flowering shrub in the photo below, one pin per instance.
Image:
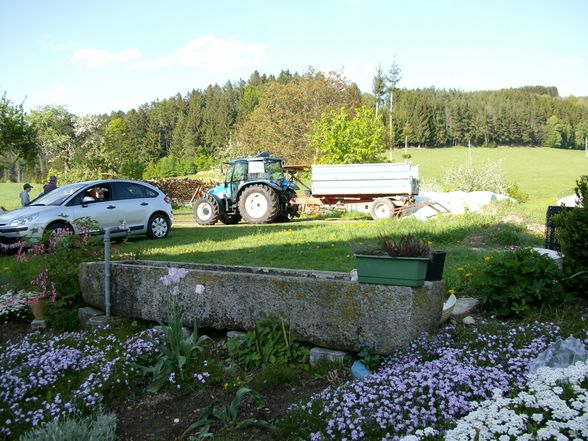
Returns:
(424, 389)
(551, 406)
(42, 378)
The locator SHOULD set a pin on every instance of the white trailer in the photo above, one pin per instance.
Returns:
(382, 190)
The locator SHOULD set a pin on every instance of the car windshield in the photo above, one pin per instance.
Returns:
(57, 196)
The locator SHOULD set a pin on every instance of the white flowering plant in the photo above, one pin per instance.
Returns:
(553, 405)
(15, 305)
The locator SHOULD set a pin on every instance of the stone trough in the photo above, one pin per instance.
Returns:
(323, 308)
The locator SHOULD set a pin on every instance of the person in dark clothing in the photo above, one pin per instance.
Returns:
(52, 185)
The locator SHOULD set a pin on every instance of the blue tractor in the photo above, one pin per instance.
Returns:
(255, 190)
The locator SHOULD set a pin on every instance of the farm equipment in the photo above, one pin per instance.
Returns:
(382, 190)
(255, 189)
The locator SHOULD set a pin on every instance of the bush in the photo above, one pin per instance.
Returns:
(517, 194)
(100, 428)
(484, 178)
(516, 282)
(572, 228)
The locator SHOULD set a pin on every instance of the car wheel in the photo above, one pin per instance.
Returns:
(55, 229)
(158, 226)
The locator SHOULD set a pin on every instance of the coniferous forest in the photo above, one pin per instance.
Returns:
(185, 133)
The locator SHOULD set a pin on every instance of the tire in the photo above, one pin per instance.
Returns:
(206, 211)
(55, 228)
(158, 226)
(230, 219)
(259, 204)
(382, 208)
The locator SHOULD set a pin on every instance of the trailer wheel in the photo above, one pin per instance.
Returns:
(259, 204)
(382, 208)
(206, 210)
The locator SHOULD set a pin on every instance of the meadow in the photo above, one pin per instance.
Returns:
(423, 392)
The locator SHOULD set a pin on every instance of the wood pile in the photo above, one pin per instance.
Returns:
(183, 191)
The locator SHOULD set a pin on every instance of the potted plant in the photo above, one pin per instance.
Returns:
(393, 261)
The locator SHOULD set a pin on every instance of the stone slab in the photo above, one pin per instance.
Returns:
(86, 313)
(464, 306)
(327, 309)
(324, 355)
(38, 325)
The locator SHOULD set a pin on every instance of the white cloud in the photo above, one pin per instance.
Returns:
(54, 95)
(361, 73)
(571, 60)
(94, 58)
(217, 55)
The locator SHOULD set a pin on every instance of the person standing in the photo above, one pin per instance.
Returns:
(52, 185)
(25, 198)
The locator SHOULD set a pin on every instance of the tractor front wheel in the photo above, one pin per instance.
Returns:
(259, 204)
(206, 210)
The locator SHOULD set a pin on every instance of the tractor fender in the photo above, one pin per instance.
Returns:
(273, 186)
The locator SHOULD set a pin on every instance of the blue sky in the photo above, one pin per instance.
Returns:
(99, 56)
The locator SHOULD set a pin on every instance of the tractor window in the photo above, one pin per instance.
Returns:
(239, 171)
(274, 170)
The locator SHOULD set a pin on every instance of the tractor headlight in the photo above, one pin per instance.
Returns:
(23, 220)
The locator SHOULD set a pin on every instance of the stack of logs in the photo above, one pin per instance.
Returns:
(183, 191)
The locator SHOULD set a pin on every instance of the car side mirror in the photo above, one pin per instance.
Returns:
(87, 200)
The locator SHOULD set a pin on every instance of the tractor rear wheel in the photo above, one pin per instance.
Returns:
(206, 210)
(259, 204)
(382, 208)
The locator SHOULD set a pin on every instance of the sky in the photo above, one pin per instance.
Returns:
(109, 55)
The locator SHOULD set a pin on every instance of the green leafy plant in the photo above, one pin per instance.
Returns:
(100, 427)
(226, 414)
(369, 358)
(407, 245)
(271, 341)
(517, 282)
(176, 352)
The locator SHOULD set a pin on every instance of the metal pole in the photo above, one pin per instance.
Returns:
(107, 272)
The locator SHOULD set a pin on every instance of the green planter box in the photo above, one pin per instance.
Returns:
(386, 270)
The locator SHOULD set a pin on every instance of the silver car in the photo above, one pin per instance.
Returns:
(139, 206)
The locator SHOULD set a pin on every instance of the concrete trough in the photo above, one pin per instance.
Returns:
(327, 309)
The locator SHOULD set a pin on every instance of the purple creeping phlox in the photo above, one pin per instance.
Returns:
(43, 378)
(421, 391)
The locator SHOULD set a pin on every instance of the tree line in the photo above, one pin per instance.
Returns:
(304, 118)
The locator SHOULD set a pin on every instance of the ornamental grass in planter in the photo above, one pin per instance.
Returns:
(392, 261)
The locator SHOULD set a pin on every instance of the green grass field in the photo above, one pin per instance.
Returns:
(309, 243)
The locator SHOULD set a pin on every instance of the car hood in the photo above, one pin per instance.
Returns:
(25, 211)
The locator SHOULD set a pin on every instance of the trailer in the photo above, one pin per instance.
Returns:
(383, 190)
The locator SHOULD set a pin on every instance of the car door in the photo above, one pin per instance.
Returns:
(95, 204)
(133, 204)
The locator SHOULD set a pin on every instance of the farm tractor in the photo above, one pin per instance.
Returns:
(255, 189)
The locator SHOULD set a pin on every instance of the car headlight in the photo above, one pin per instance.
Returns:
(24, 220)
